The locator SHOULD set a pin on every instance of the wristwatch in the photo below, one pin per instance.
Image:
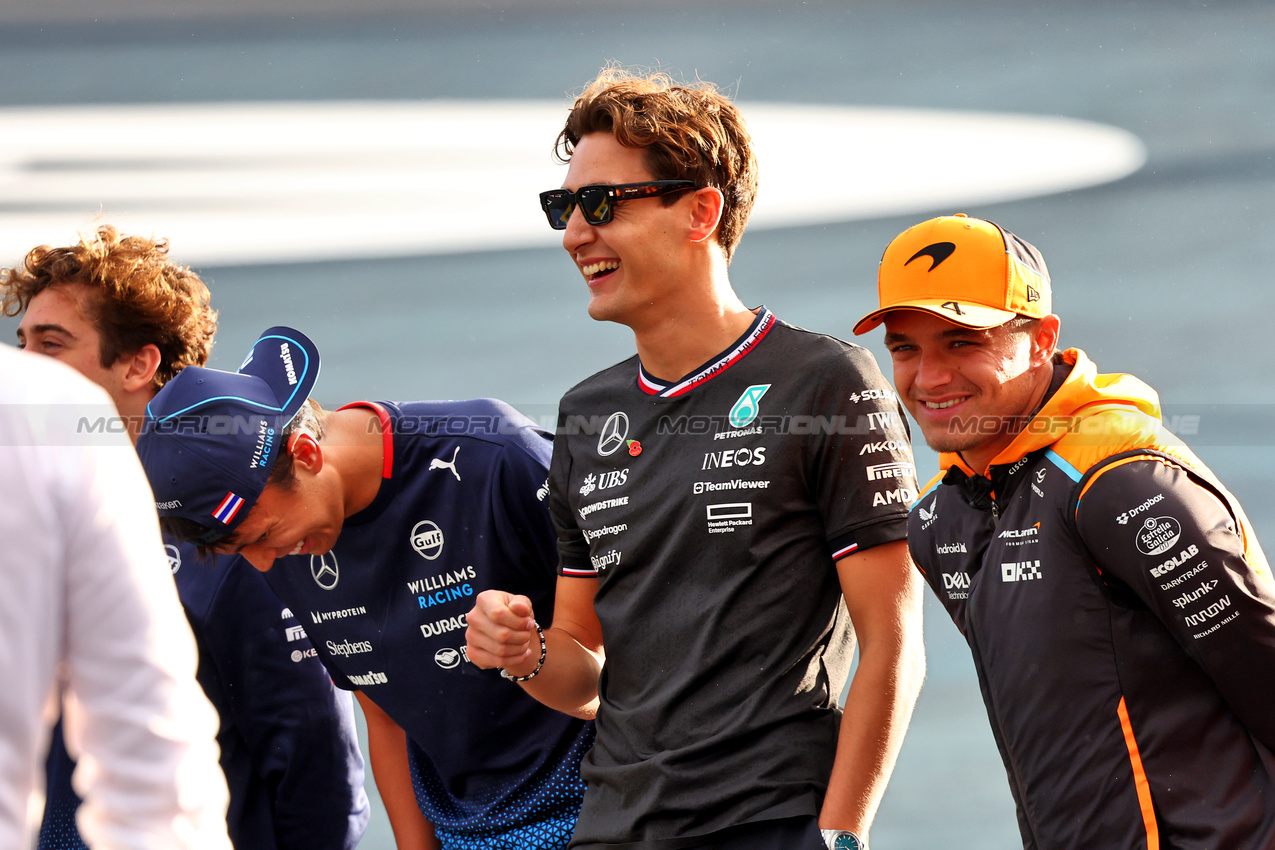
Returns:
(843, 839)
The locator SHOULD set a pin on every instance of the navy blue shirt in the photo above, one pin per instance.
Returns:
(462, 507)
(289, 747)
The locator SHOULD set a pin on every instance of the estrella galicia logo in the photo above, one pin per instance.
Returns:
(427, 539)
(938, 252)
(324, 570)
(614, 431)
(747, 407)
(174, 557)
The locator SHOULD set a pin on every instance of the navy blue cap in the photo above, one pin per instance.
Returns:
(211, 438)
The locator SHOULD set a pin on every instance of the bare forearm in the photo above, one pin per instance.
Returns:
(387, 745)
(568, 681)
(878, 709)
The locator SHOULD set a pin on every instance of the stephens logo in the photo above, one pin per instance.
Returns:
(324, 570)
(746, 408)
(614, 432)
(1158, 535)
(427, 539)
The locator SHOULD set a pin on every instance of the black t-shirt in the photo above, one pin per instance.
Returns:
(712, 511)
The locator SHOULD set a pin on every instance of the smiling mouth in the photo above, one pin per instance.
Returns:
(944, 405)
(600, 269)
(296, 550)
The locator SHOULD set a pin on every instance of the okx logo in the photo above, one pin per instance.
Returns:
(746, 408)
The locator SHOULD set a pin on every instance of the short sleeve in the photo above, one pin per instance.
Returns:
(860, 459)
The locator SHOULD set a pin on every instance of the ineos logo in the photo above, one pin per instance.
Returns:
(324, 570)
(613, 433)
(427, 539)
(174, 557)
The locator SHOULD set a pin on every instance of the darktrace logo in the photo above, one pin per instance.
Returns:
(937, 252)
(324, 570)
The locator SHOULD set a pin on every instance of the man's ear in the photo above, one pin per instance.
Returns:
(706, 212)
(138, 369)
(1045, 342)
(306, 452)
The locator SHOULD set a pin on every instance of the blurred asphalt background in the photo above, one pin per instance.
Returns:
(1165, 274)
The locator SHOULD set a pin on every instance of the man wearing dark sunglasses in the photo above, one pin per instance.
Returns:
(715, 497)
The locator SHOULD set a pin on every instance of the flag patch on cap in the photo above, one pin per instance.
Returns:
(229, 506)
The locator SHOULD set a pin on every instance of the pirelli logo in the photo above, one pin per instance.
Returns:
(877, 472)
(1021, 571)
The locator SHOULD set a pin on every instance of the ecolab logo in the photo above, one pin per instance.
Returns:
(1021, 571)
(1176, 561)
(950, 548)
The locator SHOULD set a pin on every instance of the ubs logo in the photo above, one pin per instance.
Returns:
(614, 431)
(324, 570)
(174, 557)
(427, 539)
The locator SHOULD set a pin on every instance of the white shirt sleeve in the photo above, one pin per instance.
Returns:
(85, 590)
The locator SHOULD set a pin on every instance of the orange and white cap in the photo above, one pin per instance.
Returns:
(966, 270)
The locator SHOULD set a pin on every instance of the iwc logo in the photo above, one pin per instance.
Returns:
(174, 557)
(427, 539)
(745, 410)
(324, 570)
(613, 433)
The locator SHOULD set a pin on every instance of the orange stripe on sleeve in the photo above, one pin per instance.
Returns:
(1139, 779)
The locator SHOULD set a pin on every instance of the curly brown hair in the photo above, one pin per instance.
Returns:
(137, 296)
(688, 132)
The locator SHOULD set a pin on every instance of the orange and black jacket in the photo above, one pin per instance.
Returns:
(1122, 620)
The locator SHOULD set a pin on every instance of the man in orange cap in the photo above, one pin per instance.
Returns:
(1118, 607)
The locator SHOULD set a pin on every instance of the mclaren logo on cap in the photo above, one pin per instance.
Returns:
(953, 306)
(938, 252)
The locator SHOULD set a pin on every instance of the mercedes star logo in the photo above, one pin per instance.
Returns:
(324, 571)
(613, 433)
